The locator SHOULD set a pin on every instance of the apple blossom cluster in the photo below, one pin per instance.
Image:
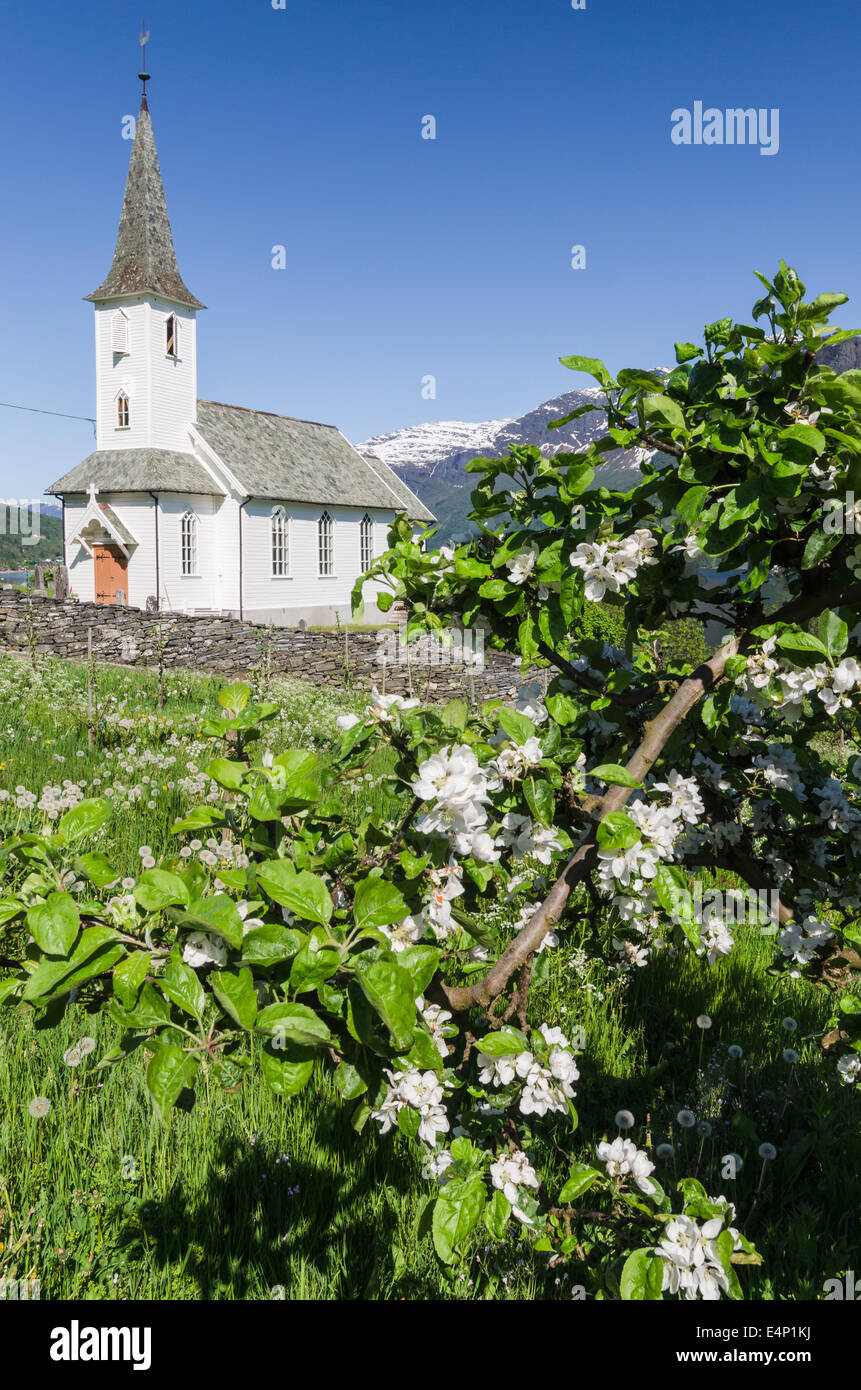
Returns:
(422, 1091)
(849, 1068)
(801, 942)
(458, 786)
(384, 709)
(611, 564)
(624, 1160)
(511, 1171)
(691, 1263)
(544, 1087)
(785, 688)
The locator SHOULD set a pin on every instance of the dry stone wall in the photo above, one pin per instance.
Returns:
(132, 637)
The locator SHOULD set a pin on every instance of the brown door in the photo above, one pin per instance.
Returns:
(112, 574)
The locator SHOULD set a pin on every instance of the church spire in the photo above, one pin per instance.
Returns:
(145, 258)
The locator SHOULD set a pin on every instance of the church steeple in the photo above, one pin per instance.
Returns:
(145, 258)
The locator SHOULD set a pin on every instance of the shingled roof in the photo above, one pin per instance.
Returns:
(274, 456)
(145, 258)
(138, 470)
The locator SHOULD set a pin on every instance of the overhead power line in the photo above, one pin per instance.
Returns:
(34, 410)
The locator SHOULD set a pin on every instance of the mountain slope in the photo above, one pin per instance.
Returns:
(431, 458)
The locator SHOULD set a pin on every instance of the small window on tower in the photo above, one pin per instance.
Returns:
(172, 331)
(120, 334)
(122, 411)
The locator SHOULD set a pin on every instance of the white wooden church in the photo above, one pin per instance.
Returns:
(191, 505)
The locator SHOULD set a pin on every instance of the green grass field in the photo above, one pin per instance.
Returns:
(249, 1197)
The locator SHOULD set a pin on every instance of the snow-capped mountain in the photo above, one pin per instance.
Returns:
(431, 458)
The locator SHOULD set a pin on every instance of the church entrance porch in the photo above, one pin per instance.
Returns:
(111, 575)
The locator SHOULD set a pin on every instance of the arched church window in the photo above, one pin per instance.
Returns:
(172, 336)
(189, 529)
(280, 543)
(366, 543)
(123, 412)
(325, 544)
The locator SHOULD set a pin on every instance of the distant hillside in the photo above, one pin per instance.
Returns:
(431, 458)
(14, 554)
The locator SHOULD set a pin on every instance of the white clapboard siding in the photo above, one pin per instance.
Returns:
(162, 390)
(188, 593)
(304, 590)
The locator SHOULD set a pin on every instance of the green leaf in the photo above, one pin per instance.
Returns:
(820, 543)
(217, 914)
(181, 985)
(85, 819)
(808, 435)
(541, 800)
(97, 947)
(286, 1071)
(349, 1083)
(150, 1010)
(796, 640)
(389, 991)
(420, 963)
(98, 869)
(617, 831)
(129, 976)
(378, 903)
(304, 894)
(157, 889)
(497, 1214)
(167, 1075)
(269, 944)
(236, 994)
(455, 715)
(295, 1023)
(686, 351)
(506, 1042)
(315, 962)
(674, 895)
(227, 773)
(55, 923)
(642, 1276)
(617, 775)
(516, 726)
(199, 818)
(662, 410)
(456, 1213)
(593, 367)
(833, 633)
(234, 697)
(581, 1179)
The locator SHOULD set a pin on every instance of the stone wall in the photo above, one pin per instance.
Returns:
(131, 637)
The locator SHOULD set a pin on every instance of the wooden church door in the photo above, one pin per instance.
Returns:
(111, 575)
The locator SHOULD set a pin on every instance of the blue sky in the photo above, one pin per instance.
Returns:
(409, 257)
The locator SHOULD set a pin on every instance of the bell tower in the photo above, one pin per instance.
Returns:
(146, 318)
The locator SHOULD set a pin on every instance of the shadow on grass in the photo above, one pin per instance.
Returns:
(321, 1229)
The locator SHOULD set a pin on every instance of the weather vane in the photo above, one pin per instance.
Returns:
(144, 40)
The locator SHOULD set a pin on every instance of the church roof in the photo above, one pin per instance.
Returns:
(138, 470)
(145, 258)
(416, 509)
(274, 456)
